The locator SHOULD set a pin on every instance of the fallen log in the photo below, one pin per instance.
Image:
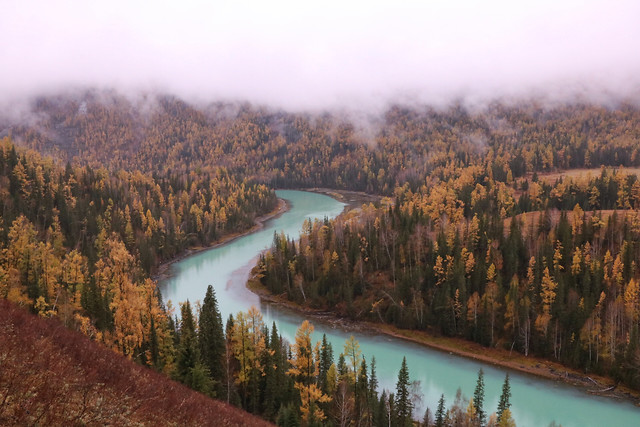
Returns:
(603, 390)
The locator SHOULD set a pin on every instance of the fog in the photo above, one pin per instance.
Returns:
(324, 54)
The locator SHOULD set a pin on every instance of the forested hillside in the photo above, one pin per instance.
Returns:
(488, 232)
(79, 243)
(405, 145)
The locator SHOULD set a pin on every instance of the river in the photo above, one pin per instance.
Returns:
(535, 401)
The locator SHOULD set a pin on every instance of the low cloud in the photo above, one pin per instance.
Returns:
(316, 55)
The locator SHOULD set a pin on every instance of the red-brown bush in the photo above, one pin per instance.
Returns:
(50, 375)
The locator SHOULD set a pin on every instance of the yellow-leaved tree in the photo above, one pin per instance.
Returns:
(547, 296)
(304, 370)
(248, 344)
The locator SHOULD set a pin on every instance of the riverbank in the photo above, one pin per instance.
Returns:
(353, 199)
(499, 357)
(164, 269)
(530, 365)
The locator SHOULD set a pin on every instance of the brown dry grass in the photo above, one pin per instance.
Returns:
(552, 177)
(50, 375)
(530, 220)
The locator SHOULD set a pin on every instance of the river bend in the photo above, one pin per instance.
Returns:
(535, 401)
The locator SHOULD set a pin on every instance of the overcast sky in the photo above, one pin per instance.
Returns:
(307, 54)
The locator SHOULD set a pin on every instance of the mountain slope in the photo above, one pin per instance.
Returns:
(50, 375)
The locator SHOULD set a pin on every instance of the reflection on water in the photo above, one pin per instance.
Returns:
(536, 402)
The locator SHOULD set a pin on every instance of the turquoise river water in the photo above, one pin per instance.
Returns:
(535, 401)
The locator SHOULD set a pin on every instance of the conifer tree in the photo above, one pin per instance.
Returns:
(478, 398)
(274, 374)
(211, 339)
(326, 359)
(187, 349)
(362, 391)
(304, 370)
(504, 403)
(230, 364)
(440, 412)
(402, 399)
(506, 420)
(353, 355)
(342, 368)
(373, 385)
(190, 370)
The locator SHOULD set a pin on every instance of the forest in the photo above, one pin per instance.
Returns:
(511, 225)
(301, 383)
(80, 244)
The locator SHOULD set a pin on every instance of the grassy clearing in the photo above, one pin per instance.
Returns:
(552, 177)
(530, 220)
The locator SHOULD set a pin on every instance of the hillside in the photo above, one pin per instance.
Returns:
(488, 234)
(50, 375)
(164, 134)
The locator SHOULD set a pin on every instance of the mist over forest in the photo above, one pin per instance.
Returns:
(495, 147)
(361, 56)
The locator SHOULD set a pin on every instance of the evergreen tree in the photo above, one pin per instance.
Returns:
(342, 368)
(187, 349)
(373, 386)
(381, 416)
(504, 403)
(427, 420)
(153, 346)
(326, 359)
(288, 416)
(478, 398)
(211, 339)
(231, 363)
(274, 374)
(440, 412)
(362, 392)
(403, 399)
(190, 370)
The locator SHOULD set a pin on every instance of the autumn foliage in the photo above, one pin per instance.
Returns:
(50, 375)
(513, 226)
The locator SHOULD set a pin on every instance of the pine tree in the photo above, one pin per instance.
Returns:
(478, 398)
(427, 420)
(440, 412)
(211, 339)
(362, 392)
(274, 372)
(248, 343)
(326, 359)
(342, 368)
(402, 399)
(373, 386)
(230, 364)
(190, 370)
(381, 416)
(504, 403)
(187, 351)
